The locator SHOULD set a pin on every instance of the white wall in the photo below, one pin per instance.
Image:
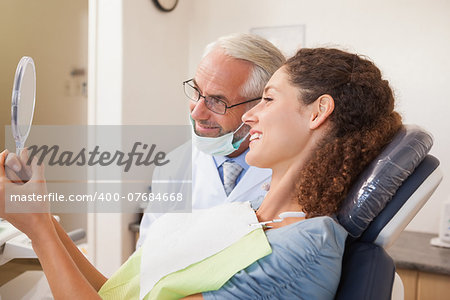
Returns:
(408, 40)
(108, 242)
(155, 54)
(137, 61)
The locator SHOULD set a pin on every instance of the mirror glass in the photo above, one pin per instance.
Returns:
(23, 100)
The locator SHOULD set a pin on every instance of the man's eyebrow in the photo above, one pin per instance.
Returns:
(221, 97)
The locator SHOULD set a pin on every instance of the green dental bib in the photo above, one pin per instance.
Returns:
(207, 275)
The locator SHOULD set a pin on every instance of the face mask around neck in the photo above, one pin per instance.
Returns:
(220, 146)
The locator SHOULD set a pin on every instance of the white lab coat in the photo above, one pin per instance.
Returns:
(207, 188)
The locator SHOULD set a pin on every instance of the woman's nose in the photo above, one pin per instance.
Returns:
(250, 116)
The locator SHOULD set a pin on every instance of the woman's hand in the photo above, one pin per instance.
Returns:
(19, 198)
(59, 256)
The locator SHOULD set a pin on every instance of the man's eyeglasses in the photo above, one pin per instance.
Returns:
(213, 104)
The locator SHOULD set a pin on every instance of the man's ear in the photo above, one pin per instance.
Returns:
(321, 109)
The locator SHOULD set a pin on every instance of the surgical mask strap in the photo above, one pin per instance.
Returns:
(238, 143)
(240, 126)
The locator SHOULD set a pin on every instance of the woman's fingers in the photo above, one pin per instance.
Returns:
(2, 183)
(16, 168)
(13, 162)
(12, 175)
(3, 156)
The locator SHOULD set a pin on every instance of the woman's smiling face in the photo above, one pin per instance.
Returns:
(280, 124)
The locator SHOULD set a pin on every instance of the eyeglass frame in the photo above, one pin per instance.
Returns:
(204, 97)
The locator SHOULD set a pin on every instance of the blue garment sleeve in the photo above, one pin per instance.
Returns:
(305, 264)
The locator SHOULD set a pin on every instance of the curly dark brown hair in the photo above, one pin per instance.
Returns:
(362, 123)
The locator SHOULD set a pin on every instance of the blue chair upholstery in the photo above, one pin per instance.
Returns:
(367, 273)
(375, 204)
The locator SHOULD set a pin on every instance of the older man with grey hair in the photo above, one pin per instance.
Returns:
(228, 82)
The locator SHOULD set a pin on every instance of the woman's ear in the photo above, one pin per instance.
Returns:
(321, 109)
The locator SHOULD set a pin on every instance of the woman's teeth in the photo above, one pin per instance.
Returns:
(255, 136)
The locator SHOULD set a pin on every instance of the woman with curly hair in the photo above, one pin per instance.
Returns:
(324, 116)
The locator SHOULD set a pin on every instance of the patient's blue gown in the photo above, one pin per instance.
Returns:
(305, 263)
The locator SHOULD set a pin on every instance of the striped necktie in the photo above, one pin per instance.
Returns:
(231, 171)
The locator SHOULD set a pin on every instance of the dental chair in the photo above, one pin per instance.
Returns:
(384, 199)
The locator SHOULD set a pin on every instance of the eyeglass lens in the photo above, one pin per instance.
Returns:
(211, 103)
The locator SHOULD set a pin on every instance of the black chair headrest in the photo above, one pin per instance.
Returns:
(377, 184)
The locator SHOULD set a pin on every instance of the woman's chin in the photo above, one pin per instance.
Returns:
(254, 160)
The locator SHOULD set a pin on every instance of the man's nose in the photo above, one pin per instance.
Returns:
(199, 111)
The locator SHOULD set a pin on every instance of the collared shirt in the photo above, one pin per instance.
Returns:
(219, 160)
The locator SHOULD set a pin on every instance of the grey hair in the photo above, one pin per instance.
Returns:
(265, 57)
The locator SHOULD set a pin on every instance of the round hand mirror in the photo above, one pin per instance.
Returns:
(23, 99)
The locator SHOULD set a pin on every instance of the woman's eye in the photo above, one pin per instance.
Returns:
(267, 99)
